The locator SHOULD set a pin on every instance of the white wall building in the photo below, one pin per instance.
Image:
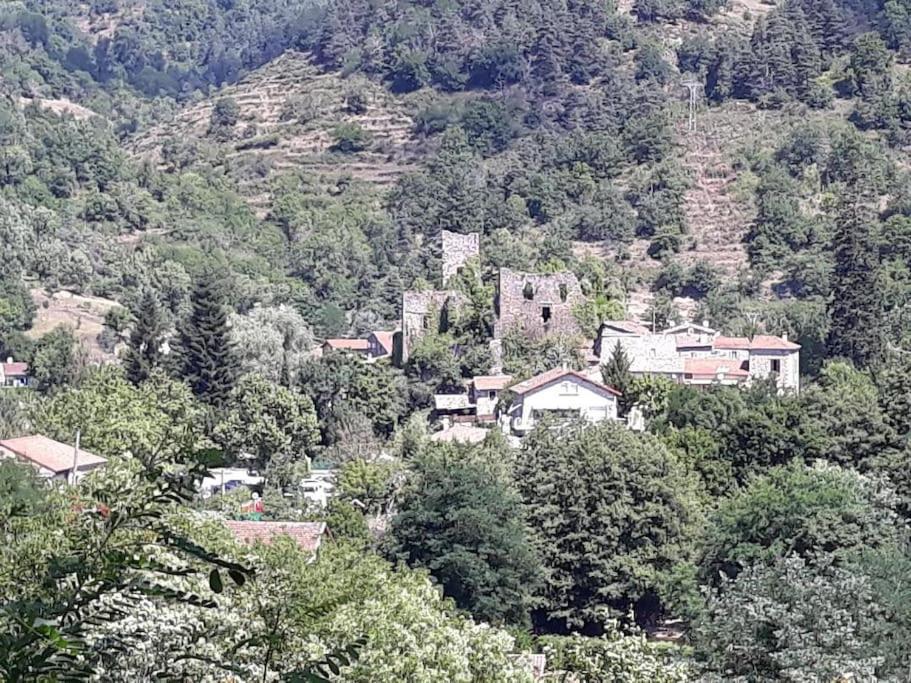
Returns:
(562, 393)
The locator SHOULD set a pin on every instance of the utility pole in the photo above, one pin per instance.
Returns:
(75, 458)
(695, 87)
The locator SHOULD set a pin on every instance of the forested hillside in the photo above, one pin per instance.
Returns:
(195, 195)
(315, 152)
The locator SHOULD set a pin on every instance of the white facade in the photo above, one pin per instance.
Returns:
(568, 395)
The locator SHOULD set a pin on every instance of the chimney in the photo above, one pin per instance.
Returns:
(705, 323)
(9, 359)
(785, 336)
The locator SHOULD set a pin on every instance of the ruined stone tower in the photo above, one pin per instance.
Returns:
(458, 249)
(537, 304)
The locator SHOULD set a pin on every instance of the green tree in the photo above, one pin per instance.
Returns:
(342, 385)
(275, 425)
(616, 374)
(57, 360)
(88, 556)
(144, 350)
(810, 512)
(461, 518)
(116, 417)
(205, 344)
(856, 307)
(615, 656)
(603, 564)
(775, 621)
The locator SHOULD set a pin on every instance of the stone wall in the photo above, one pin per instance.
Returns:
(788, 362)
(417, 311)
(537, 304)
(458, 249)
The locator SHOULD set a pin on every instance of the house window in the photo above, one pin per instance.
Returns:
(545, 313)
(528, 291)
(563, 293)
(776, 366)
(491, 394)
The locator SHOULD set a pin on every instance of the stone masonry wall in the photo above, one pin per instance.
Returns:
(537, 304)
(458, 249)
(416, 309)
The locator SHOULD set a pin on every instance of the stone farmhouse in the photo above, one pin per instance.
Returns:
(13, 374)
(697, 354)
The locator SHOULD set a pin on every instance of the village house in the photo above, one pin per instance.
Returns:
(13, 374)
(485, 392)
(477, 402)
(561, 393)
(53, 460)
(696, 354)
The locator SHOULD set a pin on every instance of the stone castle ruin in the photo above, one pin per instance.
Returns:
(419, 311)
(458, 249)
(537, 304)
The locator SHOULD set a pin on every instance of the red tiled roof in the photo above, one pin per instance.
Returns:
(686, 341)
(461, 433)
(767, 342)
(348, 344)
(628, 326)
(491, 382)
(732, 343)
(385, 339)
(15, 369)
(545, 378)
(308, 535)
(49, 454)
(710, 367)
(761, 342)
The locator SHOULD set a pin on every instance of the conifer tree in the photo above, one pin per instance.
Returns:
(616, 374)
(856, 307)
(146, 338)
(208, 362)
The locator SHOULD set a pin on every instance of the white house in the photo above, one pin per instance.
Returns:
(562, 393)
(699, 355)
(53, 460)
(13, 374)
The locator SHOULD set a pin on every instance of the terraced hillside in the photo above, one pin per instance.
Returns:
(287, 112)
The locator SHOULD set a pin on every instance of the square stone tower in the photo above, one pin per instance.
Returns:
(458, 249)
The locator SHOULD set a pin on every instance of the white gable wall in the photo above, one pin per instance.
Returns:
(565, 394)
